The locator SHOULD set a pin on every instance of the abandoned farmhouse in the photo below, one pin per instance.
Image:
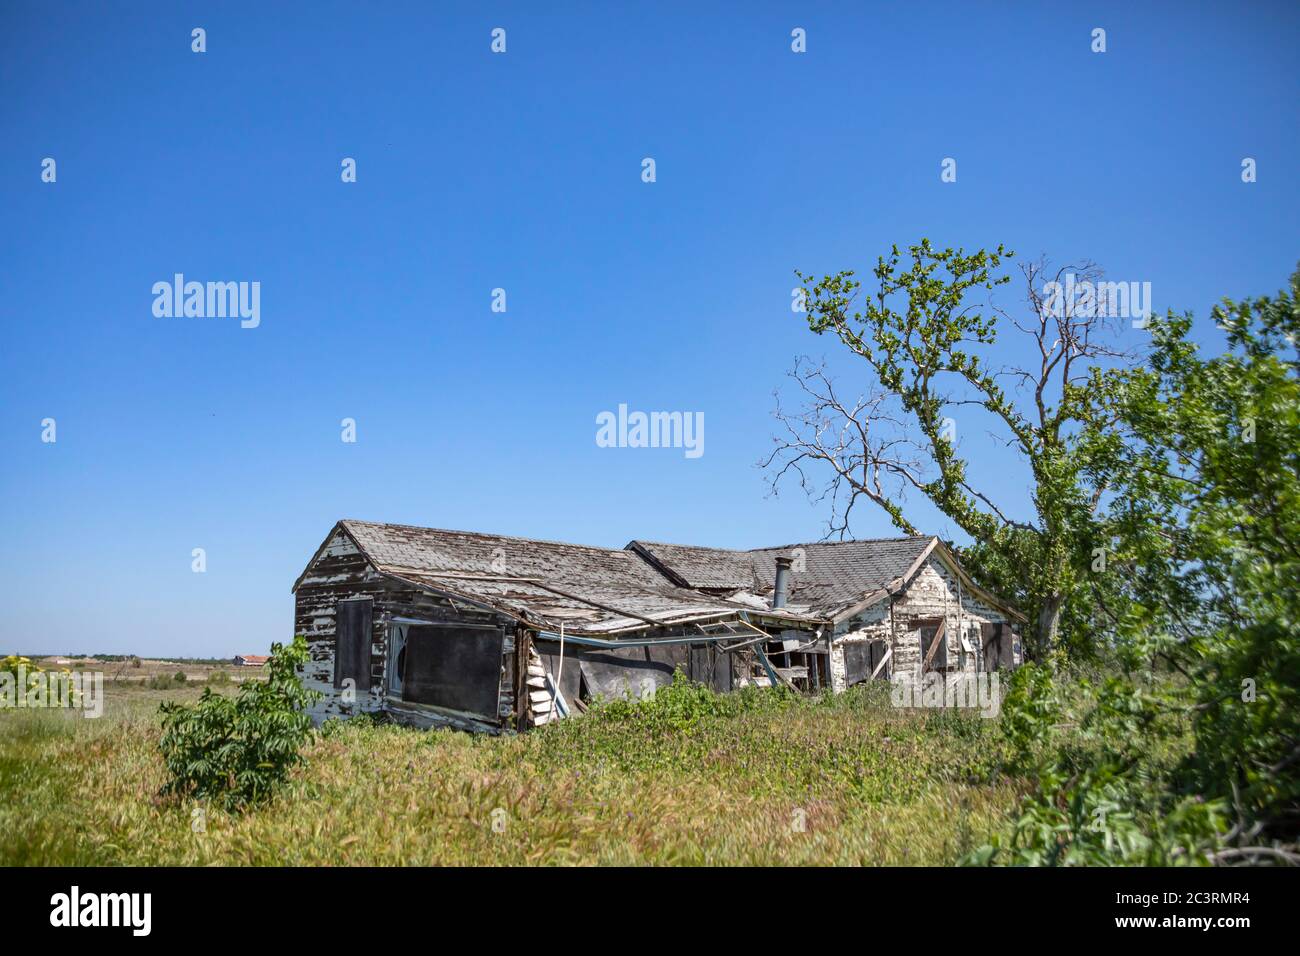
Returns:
(490, 633)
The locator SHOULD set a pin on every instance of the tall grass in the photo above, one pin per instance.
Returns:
(756, 777)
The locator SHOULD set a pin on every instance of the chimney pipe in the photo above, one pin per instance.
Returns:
(782, 589)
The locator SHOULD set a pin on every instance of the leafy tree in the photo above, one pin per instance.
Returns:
(239, 749)
(1212, 453)
(1106, 794)
(927, 347)
(1203, 455)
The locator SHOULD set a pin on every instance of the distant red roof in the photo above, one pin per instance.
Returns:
(251, 659)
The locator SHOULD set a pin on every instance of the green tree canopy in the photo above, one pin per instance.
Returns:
(930, 348)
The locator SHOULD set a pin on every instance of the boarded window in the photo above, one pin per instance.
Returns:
(929, 631)
(352, 642)
(999, 646)
(861, 658)
(709, 666)
(879, 650)
(454, 666)
(857, 662)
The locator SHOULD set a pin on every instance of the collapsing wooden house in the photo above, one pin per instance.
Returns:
(491, 633)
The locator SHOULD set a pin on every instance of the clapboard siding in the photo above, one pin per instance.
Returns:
(340, 573)
(934, 592)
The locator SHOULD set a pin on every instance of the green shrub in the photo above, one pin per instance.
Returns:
(180, 677)
(683, 704)
(237, 750)
(219, 677)
(1107, 792)
(334, 726)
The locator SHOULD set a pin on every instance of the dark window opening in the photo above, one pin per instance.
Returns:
(352, 642)
(999, 649)
(455, 667)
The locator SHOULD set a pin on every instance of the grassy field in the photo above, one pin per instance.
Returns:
(146, 669)
(751, 778)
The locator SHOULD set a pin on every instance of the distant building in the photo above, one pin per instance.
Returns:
(251, 660)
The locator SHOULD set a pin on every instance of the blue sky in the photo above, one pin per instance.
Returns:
(523, 171)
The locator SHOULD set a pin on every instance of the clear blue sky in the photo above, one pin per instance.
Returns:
(522, 171)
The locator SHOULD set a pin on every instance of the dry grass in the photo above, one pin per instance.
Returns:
(692, 780)
(144, 669)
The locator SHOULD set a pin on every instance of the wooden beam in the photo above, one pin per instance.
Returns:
(940, 634)
(889, 652)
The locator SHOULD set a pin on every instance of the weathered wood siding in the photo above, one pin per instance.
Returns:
(933, 593)
(339, 573)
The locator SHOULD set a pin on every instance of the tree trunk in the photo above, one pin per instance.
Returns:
(1049, 619)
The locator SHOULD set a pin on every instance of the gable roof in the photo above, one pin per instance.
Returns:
(590, 590)
(607, 591)
(838, 578)
(835, 574)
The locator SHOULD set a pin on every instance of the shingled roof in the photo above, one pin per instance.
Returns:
(829, 576)
(591, 590)
(603, 591)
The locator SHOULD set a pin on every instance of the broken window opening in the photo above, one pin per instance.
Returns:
(396, 658)
(454, 666)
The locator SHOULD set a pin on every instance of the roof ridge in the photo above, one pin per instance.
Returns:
(779, 547)
(738, 552)
(819, 544)
(481, 534)
(698, 547)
